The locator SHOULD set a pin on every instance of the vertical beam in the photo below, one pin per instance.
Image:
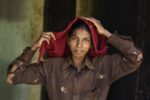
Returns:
(37, 18)
(58, 13)
(84, 7)
(36, 30)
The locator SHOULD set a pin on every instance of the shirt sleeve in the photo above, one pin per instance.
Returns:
(25, 72)
(126, 61)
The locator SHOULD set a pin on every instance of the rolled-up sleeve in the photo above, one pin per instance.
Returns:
(126, 61)
(27, 73)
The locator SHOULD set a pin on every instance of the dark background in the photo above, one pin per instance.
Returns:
(128, 17)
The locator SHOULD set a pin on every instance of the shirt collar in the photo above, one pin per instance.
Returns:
(87, 63)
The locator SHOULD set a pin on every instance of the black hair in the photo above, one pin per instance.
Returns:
(78, 24)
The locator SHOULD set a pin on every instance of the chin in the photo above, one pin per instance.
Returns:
(79, 56)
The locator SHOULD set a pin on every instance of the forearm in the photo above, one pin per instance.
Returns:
(106, 33)
(34, 47)
(127, 60)
(19, 63)
(126, 47)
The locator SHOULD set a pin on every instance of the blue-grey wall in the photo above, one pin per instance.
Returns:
(20, 24)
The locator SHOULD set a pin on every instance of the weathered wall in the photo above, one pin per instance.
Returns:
(83, 9)
(20, 23)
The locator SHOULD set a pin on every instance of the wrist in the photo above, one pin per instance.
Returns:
(34, 47)
(107, 34)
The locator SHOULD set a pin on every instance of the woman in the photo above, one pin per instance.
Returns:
(83, 72)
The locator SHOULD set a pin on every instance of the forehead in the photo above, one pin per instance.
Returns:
(81, 32)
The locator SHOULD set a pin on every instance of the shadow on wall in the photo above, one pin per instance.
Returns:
(13, 10)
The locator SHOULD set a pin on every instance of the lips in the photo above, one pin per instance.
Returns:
(79, 51)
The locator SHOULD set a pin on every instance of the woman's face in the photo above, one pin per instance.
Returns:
(80, 43)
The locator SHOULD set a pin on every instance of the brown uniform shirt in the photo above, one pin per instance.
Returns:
(64, 82)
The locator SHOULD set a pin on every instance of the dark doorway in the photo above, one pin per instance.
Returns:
(58, 13)
(120, 15)
(128, 17)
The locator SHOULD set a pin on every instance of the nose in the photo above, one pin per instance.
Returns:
(79, 43)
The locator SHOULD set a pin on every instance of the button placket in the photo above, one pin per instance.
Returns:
(76, 88)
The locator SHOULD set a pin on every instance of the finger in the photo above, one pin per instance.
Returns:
(53, 36)
(47, 40)
(46, 36)
(86, 17)
(48, 33)
(9, 79)
(95, 21)
(98, 21)
(90, 19)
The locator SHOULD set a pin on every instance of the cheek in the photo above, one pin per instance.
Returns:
(87, 47)
(72, 45)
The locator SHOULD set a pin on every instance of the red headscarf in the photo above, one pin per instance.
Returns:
(58, 47)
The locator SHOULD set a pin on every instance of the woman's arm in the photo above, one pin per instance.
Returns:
(126, 61)
(102, 31)
(20, 71)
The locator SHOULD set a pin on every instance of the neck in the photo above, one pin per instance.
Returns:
(78, 62)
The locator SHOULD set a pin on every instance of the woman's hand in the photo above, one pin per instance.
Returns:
(45, 36)
(101, 30)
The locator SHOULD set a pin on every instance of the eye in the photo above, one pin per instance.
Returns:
(86, 40)
(74, 38)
